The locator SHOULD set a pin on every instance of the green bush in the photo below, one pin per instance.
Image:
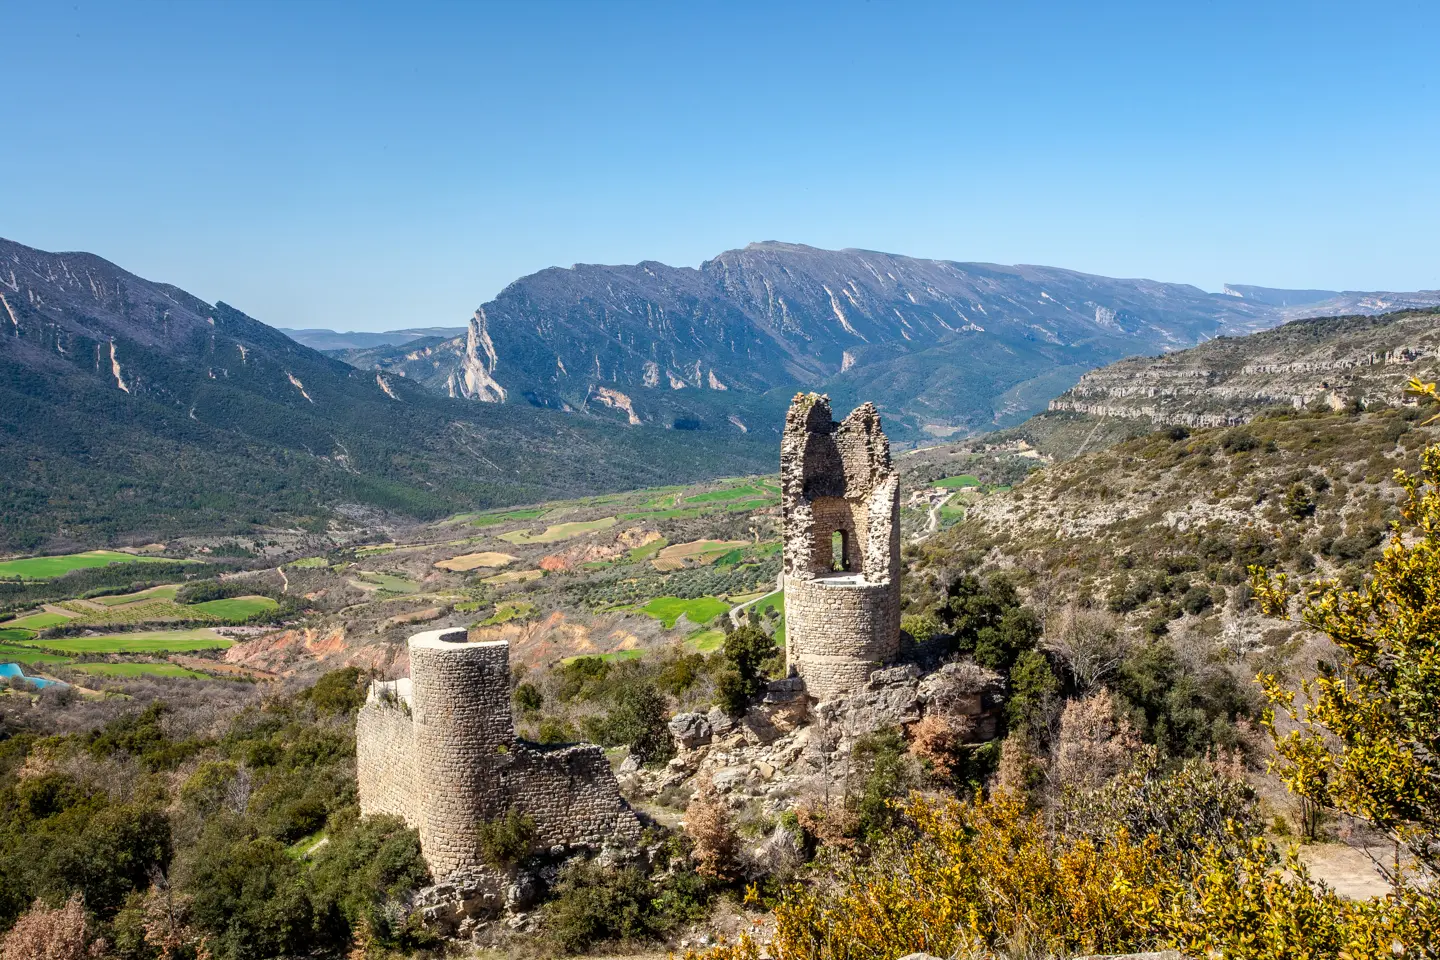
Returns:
(507, 840)
(886, 772)
(593, 905)
(638, 720)
(252, 900)
(528, 698)
(1183, 710)
(339, 691)
(363, 876)
(1034, 691)
(743, 675)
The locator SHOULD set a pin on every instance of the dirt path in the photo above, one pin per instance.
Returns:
(934, 522)
(738, 609)
(1348, 870)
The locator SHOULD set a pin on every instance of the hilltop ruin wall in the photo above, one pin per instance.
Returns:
(440, 752)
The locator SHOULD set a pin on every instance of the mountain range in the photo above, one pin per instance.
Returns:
(941, 347)
(362, 340)
(130, 409)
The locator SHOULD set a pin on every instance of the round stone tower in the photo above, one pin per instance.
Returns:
(463, 731)
(840, 507)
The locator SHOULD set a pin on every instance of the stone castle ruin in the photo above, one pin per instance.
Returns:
(439, 751)
(840, 509)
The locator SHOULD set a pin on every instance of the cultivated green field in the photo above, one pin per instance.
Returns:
(510, 610)
(16, 635)
(45, 568)
(38, 621)
(610, 657)
(9, 652)
(140, 670)
(168, 641)
(559, 531)
(955, 483)
(166, 592)
(747, 492)
(492, 519)
(235, 608)
(638, 554)
(706, 641)
(387, 582)
(698, 611)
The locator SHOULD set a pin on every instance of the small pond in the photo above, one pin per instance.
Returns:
(8, 670)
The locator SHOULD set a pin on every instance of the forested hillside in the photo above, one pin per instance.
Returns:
(132, 410)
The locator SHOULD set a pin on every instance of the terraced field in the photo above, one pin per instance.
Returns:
(746, 492)
(698, 611)
(384, 583)
(155, 610)
(157, 641)
(513, 576)
(38, 621)
(560, 531)
(474, 561)
(510, 516)
(46, 568)
(955, 483)
(9, 651)
(697, 552)
(510, 610)
(234, 608)
(165, 592)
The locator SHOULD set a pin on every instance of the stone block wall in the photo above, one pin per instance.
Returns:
(838, 631)
(572, 794)
(445, 757)
(385, 759)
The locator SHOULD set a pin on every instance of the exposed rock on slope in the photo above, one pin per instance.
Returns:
(1329, 363)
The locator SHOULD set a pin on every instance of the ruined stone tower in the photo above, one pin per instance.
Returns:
(439, 750)
(840, 504)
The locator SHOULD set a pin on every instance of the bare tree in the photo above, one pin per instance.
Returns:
(1091, 644)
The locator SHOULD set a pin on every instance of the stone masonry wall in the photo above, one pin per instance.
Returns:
(453, 761)
(837, 477)
(572, 794)
(385, 760)
(837, 634)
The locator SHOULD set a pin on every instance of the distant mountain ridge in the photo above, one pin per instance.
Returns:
(320, 339)
(129, 407)
(940, 346)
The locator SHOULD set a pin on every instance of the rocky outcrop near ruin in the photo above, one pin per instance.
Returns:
(786, 748)
(1328, 363)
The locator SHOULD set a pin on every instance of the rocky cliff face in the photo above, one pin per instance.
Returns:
(1329, 363)
(938, 345)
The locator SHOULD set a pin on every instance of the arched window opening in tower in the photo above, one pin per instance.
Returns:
(839, 559)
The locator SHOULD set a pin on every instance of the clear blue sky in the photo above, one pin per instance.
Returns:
(371, 166)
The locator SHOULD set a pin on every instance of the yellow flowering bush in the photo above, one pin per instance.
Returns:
(1364, 736)
(986, 878)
